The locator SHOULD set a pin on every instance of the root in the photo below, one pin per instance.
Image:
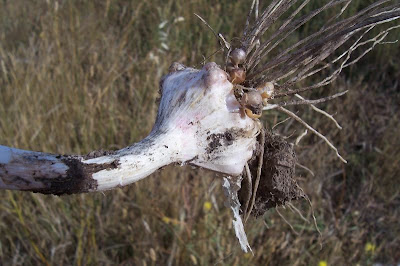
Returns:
(321, 112)
(305, 168)
(300, 137)
(313, 216)
(286, 221)
(299, 61)
(301, 121)
(293, 208)
(304, 101)
(248, 193)
(259, 168)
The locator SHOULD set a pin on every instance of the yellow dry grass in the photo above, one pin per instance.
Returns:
(82, 75)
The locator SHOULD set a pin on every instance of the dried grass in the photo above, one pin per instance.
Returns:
(86, 76)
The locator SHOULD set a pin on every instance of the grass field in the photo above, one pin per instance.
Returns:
(82, 75)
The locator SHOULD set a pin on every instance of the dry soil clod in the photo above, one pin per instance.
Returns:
(277, 183)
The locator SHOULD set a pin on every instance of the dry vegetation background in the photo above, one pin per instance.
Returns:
(82, 75)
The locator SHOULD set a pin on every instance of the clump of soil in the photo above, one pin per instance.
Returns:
(277, 182)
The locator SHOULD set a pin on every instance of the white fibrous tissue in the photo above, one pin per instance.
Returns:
(231, 187)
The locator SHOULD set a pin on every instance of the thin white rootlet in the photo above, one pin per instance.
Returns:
(234, 203)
